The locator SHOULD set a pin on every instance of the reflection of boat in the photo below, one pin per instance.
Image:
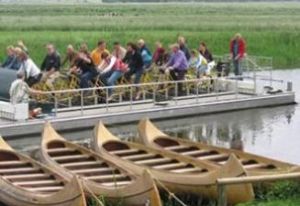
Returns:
(25, 182)
(179, 174)
(253, 164)
(98, 174)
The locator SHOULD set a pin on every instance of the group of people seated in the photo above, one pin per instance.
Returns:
(109, 67)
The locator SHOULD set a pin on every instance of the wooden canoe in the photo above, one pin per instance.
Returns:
(253, 164)
(177, 173)
(99, 175)
(25, 182)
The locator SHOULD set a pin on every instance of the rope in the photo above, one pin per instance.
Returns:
(171, 194)
(93, 195)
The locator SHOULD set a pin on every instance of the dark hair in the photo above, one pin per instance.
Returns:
(203, 44)
(116, 43)
(104, 55)
(100, 42)
(133, 46)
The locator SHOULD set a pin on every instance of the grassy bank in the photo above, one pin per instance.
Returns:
(270, 29)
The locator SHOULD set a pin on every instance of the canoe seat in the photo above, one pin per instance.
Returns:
(71, 157)
(153, 161)
(26, 176)
(213, 157)
(255, 166)
(107, 177)
(139, 156)
(19, 170)
(119, 183)
(45, 189)
(177, 147)
(13, 163)
(187, 170)
(78, 164)
(194, 152)
(37, 182)
(170, 166)
(92, 170)
(125, 151)
(59, 150)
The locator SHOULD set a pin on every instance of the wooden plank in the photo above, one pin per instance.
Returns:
(26, 176)
(36, 182)
(86, 163)
(177, 147)
(71, 157)
(92, 170)
(45, 189)
(194, 152)
(170, 166)
(186, 170)
(13, 163)
(138, 156)
(213, 157)
(255, 166)
(107, 177)
(121, 152)
(153, 161)
(63, 149)
(22, 169)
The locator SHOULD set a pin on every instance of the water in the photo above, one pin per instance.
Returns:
(272, 132)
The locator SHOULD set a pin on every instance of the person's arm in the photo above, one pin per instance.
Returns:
(110, 65)
(43, 64)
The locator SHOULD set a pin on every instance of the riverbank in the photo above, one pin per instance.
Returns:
(270, 29)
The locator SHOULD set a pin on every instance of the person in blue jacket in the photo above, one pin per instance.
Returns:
(146, 54)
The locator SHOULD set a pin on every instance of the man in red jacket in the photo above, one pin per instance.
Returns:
(237, 53)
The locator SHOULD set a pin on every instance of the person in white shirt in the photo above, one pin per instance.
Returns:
(119, 52)
(32, 73)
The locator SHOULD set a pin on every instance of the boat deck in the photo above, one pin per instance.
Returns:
(76, 118)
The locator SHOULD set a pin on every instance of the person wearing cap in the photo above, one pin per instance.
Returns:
(11, 61)
(97, 52)
(32, 73)
(145, 52)
(177, 65)
(183, 47)
(111, 70)
(237, 53)
(119, 52)
(51, 65)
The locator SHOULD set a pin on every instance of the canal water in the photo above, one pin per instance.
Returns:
(272, 132)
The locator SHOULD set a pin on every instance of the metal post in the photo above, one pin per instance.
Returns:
(222, 199)
(255, 83)
(106, 101)
(289, 86)
(153, 95)
(81, 102)
(131, 98)
(176, 92)
(236, 88)
(55, 105)
(197, 91)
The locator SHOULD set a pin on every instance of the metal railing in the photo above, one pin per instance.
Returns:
(155, 94)
(224, 182)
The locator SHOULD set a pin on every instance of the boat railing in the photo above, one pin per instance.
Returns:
(159, 93)
(224, 182)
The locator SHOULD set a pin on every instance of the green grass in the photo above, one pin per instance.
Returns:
(289, 202)
(271, 29)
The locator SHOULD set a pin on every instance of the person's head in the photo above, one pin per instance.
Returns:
(202, 46)
(141, 43)
(158, 45)
(10, 51)
(50, 49)
(117, 45)
(84, 48)
(237, 36)
(21, 54)
(131, 47)
(21, 75)
(175, 48)
(105, 55)
(194, 53)
(70, 49)
(181, 40)
(101, 45)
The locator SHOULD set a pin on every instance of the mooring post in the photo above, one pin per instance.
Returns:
(222, 199)
(289, 86)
